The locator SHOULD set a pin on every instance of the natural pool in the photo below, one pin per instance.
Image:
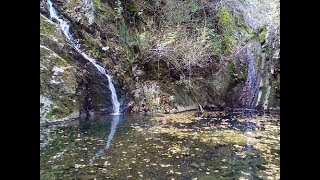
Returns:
(175, 146)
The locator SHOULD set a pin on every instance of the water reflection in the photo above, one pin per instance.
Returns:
(114, 124)
(115, 121)
(84, 124)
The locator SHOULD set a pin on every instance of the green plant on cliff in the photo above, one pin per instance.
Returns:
(118, 9)
(214, 39)
(231, 70)
(194, 6)
(143, 41)
(126, 39)
(102, 10)
(262, 34)
(227, 25)
(93, 47)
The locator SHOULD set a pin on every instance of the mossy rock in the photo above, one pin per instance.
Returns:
(57, 86)
(51, 30)
(227, 25)
(46, 26)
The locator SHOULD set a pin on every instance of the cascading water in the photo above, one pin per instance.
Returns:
(64, 26)
(251, 88)
(116, 105)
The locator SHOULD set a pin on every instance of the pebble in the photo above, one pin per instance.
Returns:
(79, 166)
(106, 163)
(194, 165)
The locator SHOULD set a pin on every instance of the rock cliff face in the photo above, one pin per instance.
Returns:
(165, 56)
(57, 74)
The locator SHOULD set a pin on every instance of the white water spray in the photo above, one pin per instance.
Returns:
(64, 26)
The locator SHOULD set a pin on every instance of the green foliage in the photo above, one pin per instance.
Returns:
(49, 115)
(93, 47)
(262, 34)
(143, 41)
(129, 39)
(118, 9)
(97, 4)
(226, 20)
(194, 7)
(177, 12)
(227, 25)
(231, 69)
(215, 40)
(103, 10)
(126, 39)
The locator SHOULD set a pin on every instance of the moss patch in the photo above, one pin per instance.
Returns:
(227, 25)
(62, 94)
(231, 69)
(46, 26)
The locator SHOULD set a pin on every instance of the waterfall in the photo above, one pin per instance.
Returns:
(251, 88)
(252, 80)
(65, 27)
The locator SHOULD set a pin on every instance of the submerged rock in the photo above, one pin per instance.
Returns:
(195, 165)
